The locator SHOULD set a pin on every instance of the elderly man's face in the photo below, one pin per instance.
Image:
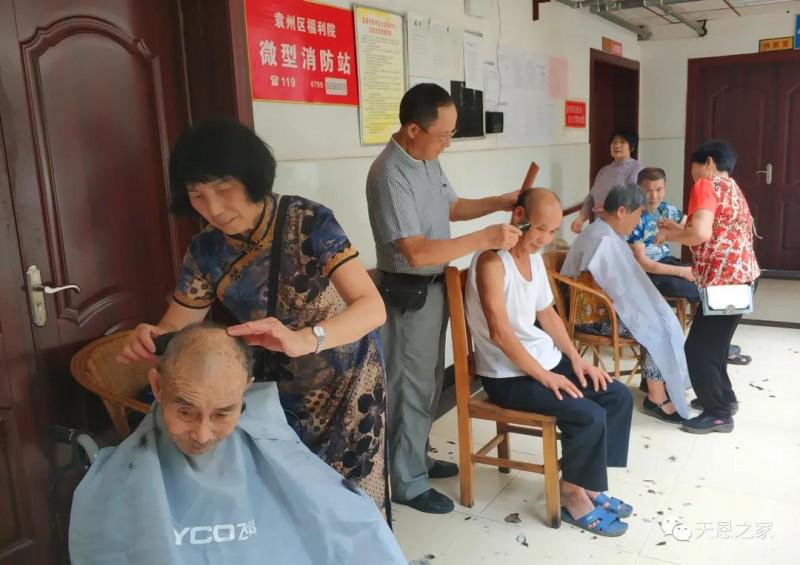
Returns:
(545, 220)
(202, 401)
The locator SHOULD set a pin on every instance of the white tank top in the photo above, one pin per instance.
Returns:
(523, 299)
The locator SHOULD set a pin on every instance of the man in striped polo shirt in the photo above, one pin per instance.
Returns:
(411, 205)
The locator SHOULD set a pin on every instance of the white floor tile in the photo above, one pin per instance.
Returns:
(744, 478)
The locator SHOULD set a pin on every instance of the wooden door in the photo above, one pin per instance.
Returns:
(753, 101)
(613, 104)
(92, 97)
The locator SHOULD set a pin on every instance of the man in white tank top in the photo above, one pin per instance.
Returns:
(524, 367)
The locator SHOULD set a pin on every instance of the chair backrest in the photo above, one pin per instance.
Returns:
(553, 261)
(463, 355)
(96, 369)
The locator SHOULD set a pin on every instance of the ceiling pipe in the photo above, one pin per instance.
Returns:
(641, 31)
(699, 29)
(615, 5)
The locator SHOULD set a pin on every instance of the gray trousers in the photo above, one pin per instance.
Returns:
(413, 349)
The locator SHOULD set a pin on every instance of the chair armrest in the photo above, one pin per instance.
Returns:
(575, 288)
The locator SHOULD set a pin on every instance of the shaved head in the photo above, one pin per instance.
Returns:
(540, 208)
(199, 350)
(200, 383)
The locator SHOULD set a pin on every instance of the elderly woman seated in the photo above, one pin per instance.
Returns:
(214, 474)
(643, 313)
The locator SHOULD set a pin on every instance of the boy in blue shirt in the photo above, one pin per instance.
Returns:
(668, 274)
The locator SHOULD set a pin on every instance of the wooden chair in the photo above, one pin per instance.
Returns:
(567, 293)
(470, 407)
(117, 385)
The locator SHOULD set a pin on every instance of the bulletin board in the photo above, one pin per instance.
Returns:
(380, 50)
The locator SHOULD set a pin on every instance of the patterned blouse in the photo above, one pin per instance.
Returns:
(335, 400)
(647, 228)
(728, 257)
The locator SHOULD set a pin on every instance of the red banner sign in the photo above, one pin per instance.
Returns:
(574, 114)
(301, 51)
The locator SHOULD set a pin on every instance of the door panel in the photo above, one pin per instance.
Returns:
(92, 97)
(786, 186)
(753, 101)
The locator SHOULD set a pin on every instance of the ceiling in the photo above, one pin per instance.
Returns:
(663, 25)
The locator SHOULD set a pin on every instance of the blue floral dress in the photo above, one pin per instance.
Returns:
(335, 400)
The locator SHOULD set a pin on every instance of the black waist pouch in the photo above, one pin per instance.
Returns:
(403, 291)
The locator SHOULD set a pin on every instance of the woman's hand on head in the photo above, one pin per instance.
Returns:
(140, 345)
(272, 334)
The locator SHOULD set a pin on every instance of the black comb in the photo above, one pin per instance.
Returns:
(162, 341)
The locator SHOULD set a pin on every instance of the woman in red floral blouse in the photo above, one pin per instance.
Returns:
(720, 235)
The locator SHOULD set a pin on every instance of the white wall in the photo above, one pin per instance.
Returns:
(319, 153)
(664, 74)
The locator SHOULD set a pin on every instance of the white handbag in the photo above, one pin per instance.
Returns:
(727, 300)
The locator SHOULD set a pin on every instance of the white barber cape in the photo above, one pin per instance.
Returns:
(651, 321)
(260, 497)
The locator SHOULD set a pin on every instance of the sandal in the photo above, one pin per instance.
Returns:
(739, 359)
(608, 524)
(615, 505)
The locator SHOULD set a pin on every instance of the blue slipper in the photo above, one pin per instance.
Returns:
(608, 524)
(615, 505)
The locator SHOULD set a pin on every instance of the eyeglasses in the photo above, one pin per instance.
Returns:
(440, 136)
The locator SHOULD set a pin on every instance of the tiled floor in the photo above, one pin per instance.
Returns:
(736, 493)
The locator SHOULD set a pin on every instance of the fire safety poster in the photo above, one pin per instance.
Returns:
(301, 52)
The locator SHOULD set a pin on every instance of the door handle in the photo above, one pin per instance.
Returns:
(767, 172)
(53, 290)
(36, 292)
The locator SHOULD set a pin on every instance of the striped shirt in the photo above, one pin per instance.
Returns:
(405, 198)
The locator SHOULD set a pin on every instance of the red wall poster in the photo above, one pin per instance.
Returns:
(574, 114)
(301, 52)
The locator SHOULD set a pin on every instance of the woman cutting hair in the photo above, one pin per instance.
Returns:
(283, 266)
(720, 235)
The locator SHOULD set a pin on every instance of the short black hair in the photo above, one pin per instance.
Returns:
(216, 149)
(651, 174)
(627, 135)
(718, 149)
(420, 105)
(629, 195)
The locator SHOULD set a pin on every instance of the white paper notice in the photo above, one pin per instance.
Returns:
(524, 88)
(491, 86)
(473, 70)
(558, 78)
(413, 81)
(435, 49)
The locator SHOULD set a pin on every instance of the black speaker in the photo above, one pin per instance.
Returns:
(494, 122)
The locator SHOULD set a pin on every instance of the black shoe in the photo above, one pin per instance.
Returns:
(442, 470)
(703, 424)
(431, 502)
(656, 411)
(734, 406)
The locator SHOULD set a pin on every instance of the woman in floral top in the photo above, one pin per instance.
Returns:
(720, 235)
(284, 268)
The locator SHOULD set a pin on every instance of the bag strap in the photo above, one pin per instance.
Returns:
(275, 256)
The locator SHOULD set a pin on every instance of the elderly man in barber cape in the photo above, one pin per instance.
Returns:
(214, 474)
(601, 249)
